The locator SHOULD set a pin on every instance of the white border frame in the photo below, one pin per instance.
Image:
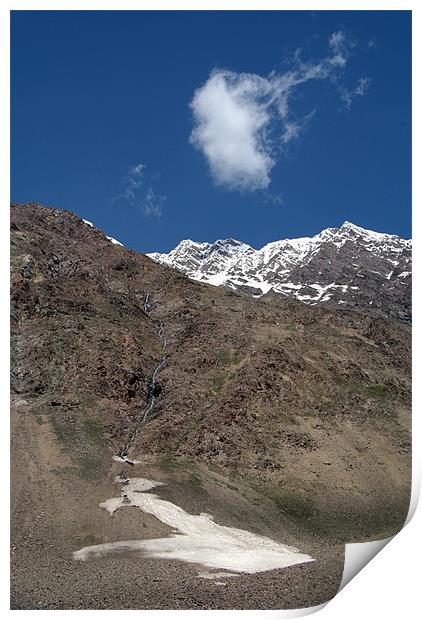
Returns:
(387, 588)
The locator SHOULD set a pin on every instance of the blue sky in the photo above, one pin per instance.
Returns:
(160, 126)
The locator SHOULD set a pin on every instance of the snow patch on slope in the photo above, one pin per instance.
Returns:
(114, 241)
(198, 539)
(91, 225)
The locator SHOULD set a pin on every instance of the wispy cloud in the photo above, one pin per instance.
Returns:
(152, 203)
(360, 90)
(242, 121)
(294, 128)
(270, 198)
(138, 191)
(340, 48)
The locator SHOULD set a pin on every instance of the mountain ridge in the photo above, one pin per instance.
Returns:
(347, 265)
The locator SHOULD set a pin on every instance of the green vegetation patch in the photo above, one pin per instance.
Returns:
(65, 426)
(364, 390)
(294, 505)
(223, 356)
(378, 391)
(227, 358)
(168, 463)
(195, 483)
(91, 465)
(82, 438)
(93, 429)
(218, 383)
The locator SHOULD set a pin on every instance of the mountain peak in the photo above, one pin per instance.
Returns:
(349, 226)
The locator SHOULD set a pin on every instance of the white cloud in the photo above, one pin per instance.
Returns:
(236, 116)
(230, 123)
(138, 191)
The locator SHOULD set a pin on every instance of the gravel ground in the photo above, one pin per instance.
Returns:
(55, 512)
(133, 582)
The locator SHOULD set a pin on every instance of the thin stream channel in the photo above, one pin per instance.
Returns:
(152, 388)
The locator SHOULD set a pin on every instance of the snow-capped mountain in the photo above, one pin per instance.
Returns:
(349, 266)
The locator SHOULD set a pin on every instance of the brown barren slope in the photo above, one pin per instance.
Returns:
(287, 420)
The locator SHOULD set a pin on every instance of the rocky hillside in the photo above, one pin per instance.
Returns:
(347, 266)
(284, 419)
(310, 405)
